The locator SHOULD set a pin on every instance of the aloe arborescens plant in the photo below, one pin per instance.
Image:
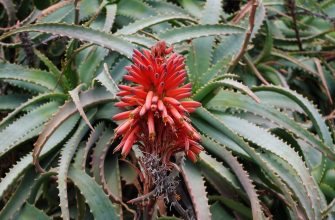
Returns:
(230, 133)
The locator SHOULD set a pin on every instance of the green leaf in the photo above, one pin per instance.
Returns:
(128, 172)
(58, 13)
(82, 154)
(225, 50)
(20, 195)
(196, 188)
(220, 138)
(296, 62)
(112, 180)
(88, 98)
(110, 17)
(12, 101)
(218, 212)
(52, 68)
(76, 100)
(118, 70)
(33, 76)
(140, 40)
(217, 174)
(149, 21)
(167, 7)
(226, 99)
(103, 39)
(310, 109)
(100, 206)
(30, 212)
(26, 127)
(266, 50)
(202, 48)
(99, 154)
(107, 81)
(67, 153)
(192, 7)
(10, 9)
(26, 162)
(87, 69)
(134, 9)
(219, 68)
(177, 35)
(221, 126)
(29, 103)
(306, 189)
(205, 90)
(243, 177)
(278, 100)
(236, 206)
(26, 86)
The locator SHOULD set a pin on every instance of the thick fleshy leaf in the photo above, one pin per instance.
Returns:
(177, 35)
(100, 206)
(81, 33)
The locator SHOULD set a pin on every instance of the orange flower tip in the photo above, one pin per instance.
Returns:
(152, 136)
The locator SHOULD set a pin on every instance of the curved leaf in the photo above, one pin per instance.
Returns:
(81, 33)
(30, 212)
(197, 190)
(27, 161)
(64, 163)
(33, 76)
(177, 35)
(88, 98)
(149, 21)
(26, 127)
(244, 179)
(226, 99)
(12, 101)
(100, 206)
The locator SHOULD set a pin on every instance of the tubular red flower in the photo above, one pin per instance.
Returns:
(158, 123)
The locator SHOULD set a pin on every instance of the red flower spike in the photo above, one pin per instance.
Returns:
(156, 118)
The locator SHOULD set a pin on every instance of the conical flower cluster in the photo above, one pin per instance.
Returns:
(156, 116)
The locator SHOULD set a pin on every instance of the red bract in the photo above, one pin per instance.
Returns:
(158, 120)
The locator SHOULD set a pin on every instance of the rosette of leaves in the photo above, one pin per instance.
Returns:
(266, 148)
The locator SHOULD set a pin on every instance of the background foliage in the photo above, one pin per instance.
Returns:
(263, 71)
